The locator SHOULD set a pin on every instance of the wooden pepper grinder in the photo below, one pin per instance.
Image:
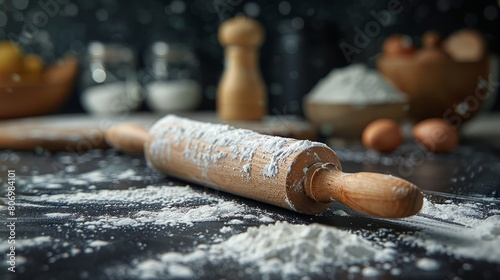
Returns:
(241, 94)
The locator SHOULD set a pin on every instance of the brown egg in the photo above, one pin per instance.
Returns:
(436, 135)
(397, 45)
(383, 135)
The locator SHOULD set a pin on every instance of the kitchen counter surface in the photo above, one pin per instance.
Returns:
(94, 215)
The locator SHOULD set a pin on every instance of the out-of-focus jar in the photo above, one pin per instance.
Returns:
(110, 79)
(173, 78)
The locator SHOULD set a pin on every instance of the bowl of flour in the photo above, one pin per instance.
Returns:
(344, 102)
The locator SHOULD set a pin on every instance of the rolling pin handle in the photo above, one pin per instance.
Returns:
(129, 138)
(371, 193)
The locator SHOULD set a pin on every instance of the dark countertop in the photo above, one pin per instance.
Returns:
(470, 174)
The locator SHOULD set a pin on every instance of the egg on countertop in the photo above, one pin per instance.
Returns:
(436, 135)
(382, 135)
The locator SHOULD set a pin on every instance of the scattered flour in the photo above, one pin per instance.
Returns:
(289, 250)
(173, 217)
(370, 271)
(98, 243)
(173, 200)
(177, 207)
(26, 243)
(148, 195)
(427, 264)
(354, 84)
(58, 215)
(57, 181)
(457, 229)
(279, 249)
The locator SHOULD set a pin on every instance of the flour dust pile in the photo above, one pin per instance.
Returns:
(276, 250)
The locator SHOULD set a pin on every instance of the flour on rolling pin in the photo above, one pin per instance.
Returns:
(252, 157)
(275, 149)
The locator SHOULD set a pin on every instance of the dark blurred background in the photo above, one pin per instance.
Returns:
(302, 37)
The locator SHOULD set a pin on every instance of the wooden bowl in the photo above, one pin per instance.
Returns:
(41, 96)
(349, 120)
(437, 87)
(447, 81)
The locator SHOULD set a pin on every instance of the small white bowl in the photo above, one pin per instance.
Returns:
(173, 96)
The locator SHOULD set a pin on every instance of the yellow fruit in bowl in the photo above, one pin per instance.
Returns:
(11, 58)
(32, 69)
(33, 64)
(18, 69)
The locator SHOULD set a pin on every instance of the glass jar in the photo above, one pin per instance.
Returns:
(110, 80)
(172, 83)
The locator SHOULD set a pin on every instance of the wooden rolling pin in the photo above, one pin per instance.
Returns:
(300, 175)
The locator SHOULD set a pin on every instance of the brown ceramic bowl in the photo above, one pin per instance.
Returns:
(437, 88)
(43, 96)
(349, 120)
(437, 85)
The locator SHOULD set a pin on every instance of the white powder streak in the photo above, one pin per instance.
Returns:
(149, 195)
(457, 229)
(427, 264)
(54, 181)
(26, 243)
(169, 197)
